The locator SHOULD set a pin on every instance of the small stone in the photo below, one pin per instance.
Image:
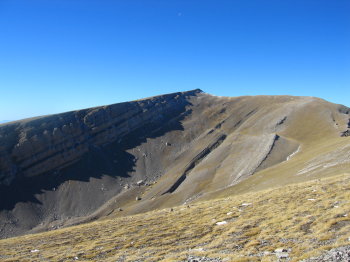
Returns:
(282, 255)
(229, 213)
(138, 198)
(198, 249)
(281, 250)
(34, 250)
(139, 183)
(221, 223)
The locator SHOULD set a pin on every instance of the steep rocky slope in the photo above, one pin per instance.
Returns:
(168, 150)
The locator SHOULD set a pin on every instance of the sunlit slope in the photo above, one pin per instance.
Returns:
(321, 151)
(257, 143)
(303, 219)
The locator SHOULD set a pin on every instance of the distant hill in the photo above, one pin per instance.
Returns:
(4, 121)
(163, 151)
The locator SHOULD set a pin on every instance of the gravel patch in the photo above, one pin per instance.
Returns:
(200, 259)
(340, 254)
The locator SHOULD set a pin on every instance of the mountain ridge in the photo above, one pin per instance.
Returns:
(167, 150)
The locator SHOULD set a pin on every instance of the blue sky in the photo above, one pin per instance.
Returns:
(57, 56)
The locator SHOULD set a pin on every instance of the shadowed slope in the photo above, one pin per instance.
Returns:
(62, 166)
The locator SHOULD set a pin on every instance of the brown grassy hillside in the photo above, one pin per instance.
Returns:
(305, 219)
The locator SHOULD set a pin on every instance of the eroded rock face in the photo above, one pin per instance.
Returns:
(33, 147)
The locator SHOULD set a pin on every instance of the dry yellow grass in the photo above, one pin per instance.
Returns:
(306, 218)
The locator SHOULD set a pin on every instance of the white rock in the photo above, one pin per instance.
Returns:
(282, 255)
(139, 183)
(221, 223)
(281, 250)
(34, 250)
(198, 249)
(246, 204)
(312, 199)
(229, 213)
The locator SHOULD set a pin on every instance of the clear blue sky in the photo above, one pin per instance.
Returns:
(63, 55)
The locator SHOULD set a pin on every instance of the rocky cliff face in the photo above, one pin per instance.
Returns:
(48, 144)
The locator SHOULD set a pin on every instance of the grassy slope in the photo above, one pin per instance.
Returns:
(307, 218)
(317, 136)
(313, 124)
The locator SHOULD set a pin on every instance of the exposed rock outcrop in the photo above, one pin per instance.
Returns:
(33, 147)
